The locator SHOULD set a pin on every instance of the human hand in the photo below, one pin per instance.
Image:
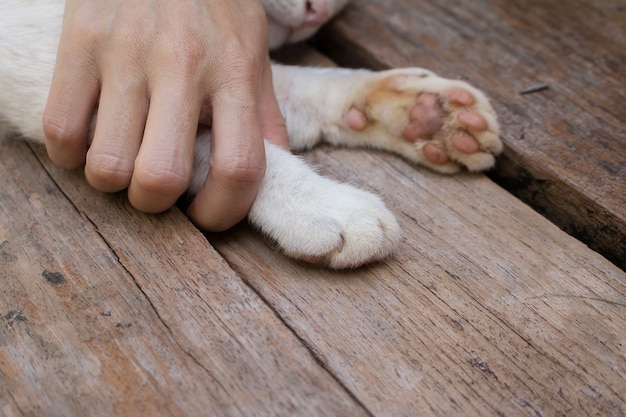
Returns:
(154, 69)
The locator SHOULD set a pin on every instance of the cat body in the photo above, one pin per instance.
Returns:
(309, 217)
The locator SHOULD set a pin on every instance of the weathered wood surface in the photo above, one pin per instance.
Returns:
(107, 312)
(566, 145)
(487, 309)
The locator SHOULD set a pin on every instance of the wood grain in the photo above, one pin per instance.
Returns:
(110, 312)
(565, 145)
(487, 309)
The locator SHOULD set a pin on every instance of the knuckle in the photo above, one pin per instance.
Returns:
(60, 129)
(186, 52)
(239, 85)
(242, 58)
(166, 182)
(108, 173)
(239, 172)
(85, 26)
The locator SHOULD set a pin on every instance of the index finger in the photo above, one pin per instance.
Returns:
(70, 107)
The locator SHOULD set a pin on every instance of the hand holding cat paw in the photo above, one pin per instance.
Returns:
(154, 69)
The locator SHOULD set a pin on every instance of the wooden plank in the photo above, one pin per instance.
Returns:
(487, 309)
(565, 145)
(106, 311)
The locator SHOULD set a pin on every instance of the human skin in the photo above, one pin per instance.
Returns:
(154, 70)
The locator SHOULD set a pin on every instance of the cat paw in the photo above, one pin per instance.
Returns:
(316, 220)
(351, 229)
(443, 124)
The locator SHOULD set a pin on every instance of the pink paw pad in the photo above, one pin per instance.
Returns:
(435, 154)
(462, 98)
(472, 121)
(464, 143)
(356, 119)
(427, 118)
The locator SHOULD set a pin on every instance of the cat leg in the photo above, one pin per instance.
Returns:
(317, 220)
(440, 123)
(309, 217)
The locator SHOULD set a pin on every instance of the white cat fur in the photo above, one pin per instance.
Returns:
(307, 216)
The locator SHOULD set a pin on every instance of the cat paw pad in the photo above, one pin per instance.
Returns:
(440, 123)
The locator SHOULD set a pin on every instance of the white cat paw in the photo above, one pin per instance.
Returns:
(318, 221)
(350, 228)
(443, 124)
